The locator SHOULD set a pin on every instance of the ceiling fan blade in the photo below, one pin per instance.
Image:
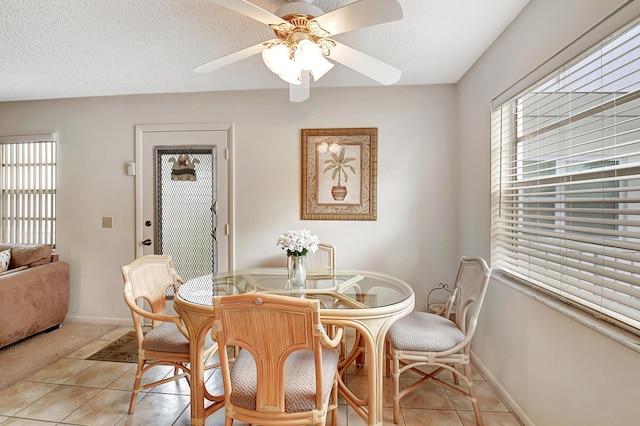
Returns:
(300, 92)
(230, 58)
(365, 64)
(252, 11)
(363, 13)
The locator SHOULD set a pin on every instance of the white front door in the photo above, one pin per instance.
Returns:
(183, 206)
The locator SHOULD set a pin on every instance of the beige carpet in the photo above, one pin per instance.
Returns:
(24, 358)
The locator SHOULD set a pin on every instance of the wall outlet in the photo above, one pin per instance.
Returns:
(107, 222)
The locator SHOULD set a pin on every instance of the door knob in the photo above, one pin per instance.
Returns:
(146, 242)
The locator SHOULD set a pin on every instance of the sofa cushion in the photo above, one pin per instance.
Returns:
(5, 259)
(28, 254)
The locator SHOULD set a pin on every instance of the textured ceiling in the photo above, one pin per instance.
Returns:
(75, 48)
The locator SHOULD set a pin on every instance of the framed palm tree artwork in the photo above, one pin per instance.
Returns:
(339, 168)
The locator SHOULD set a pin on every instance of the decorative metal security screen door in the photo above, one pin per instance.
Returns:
(186, 210)
(185, 218)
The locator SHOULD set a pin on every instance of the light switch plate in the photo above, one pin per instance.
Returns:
(107, 222)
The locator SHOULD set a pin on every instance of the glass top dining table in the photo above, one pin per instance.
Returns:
(365, 301)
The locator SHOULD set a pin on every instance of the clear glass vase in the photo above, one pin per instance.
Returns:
(297, 271)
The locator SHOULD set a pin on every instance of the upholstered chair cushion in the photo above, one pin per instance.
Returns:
(425, 332)
(167, 338)
(299, 375)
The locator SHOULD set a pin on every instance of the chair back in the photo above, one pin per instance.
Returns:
(469, 290)
(321, 264)
(270, 328)
(146, 281)
(148, 278)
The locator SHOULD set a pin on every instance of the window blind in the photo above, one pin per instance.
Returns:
(28, 189)
(566, 181)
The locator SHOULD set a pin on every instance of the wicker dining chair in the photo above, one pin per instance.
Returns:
(321, 263)
(428, 339)
(146, 281)
(285, 372)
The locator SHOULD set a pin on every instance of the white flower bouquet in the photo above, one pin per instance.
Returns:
(298, 242)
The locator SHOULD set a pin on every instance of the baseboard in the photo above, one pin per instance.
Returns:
(99, 320)
(502, 392)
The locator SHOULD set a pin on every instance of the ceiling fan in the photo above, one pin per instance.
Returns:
(302, 46)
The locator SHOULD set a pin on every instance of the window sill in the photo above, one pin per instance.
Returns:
(621, 336)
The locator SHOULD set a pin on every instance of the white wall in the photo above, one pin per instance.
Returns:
(557, 371)
(413, 238)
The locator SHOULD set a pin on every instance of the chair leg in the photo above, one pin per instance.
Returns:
(387, 360)
(395, 377)
(472, 394)
(334, 402)
(136, 385)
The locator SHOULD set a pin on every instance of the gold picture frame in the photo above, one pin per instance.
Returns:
(339, 174)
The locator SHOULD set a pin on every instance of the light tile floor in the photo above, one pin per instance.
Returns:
(77, 391)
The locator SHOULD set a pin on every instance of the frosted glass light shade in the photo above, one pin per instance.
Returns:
(321, 68)
(291, 72)
(275, 58)
(307, 54)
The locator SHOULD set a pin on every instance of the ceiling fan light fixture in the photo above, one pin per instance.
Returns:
(300, 23)
(308, 54)
(291, 72)
(275, 57)
(310, 58)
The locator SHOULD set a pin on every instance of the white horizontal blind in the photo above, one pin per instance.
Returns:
(566, 181)
(28, 189)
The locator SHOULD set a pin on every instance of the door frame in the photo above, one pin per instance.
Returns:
(226, 154)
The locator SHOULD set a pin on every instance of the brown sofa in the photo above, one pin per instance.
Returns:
(34, 292)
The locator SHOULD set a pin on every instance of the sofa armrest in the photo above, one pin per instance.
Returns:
(33, 299)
